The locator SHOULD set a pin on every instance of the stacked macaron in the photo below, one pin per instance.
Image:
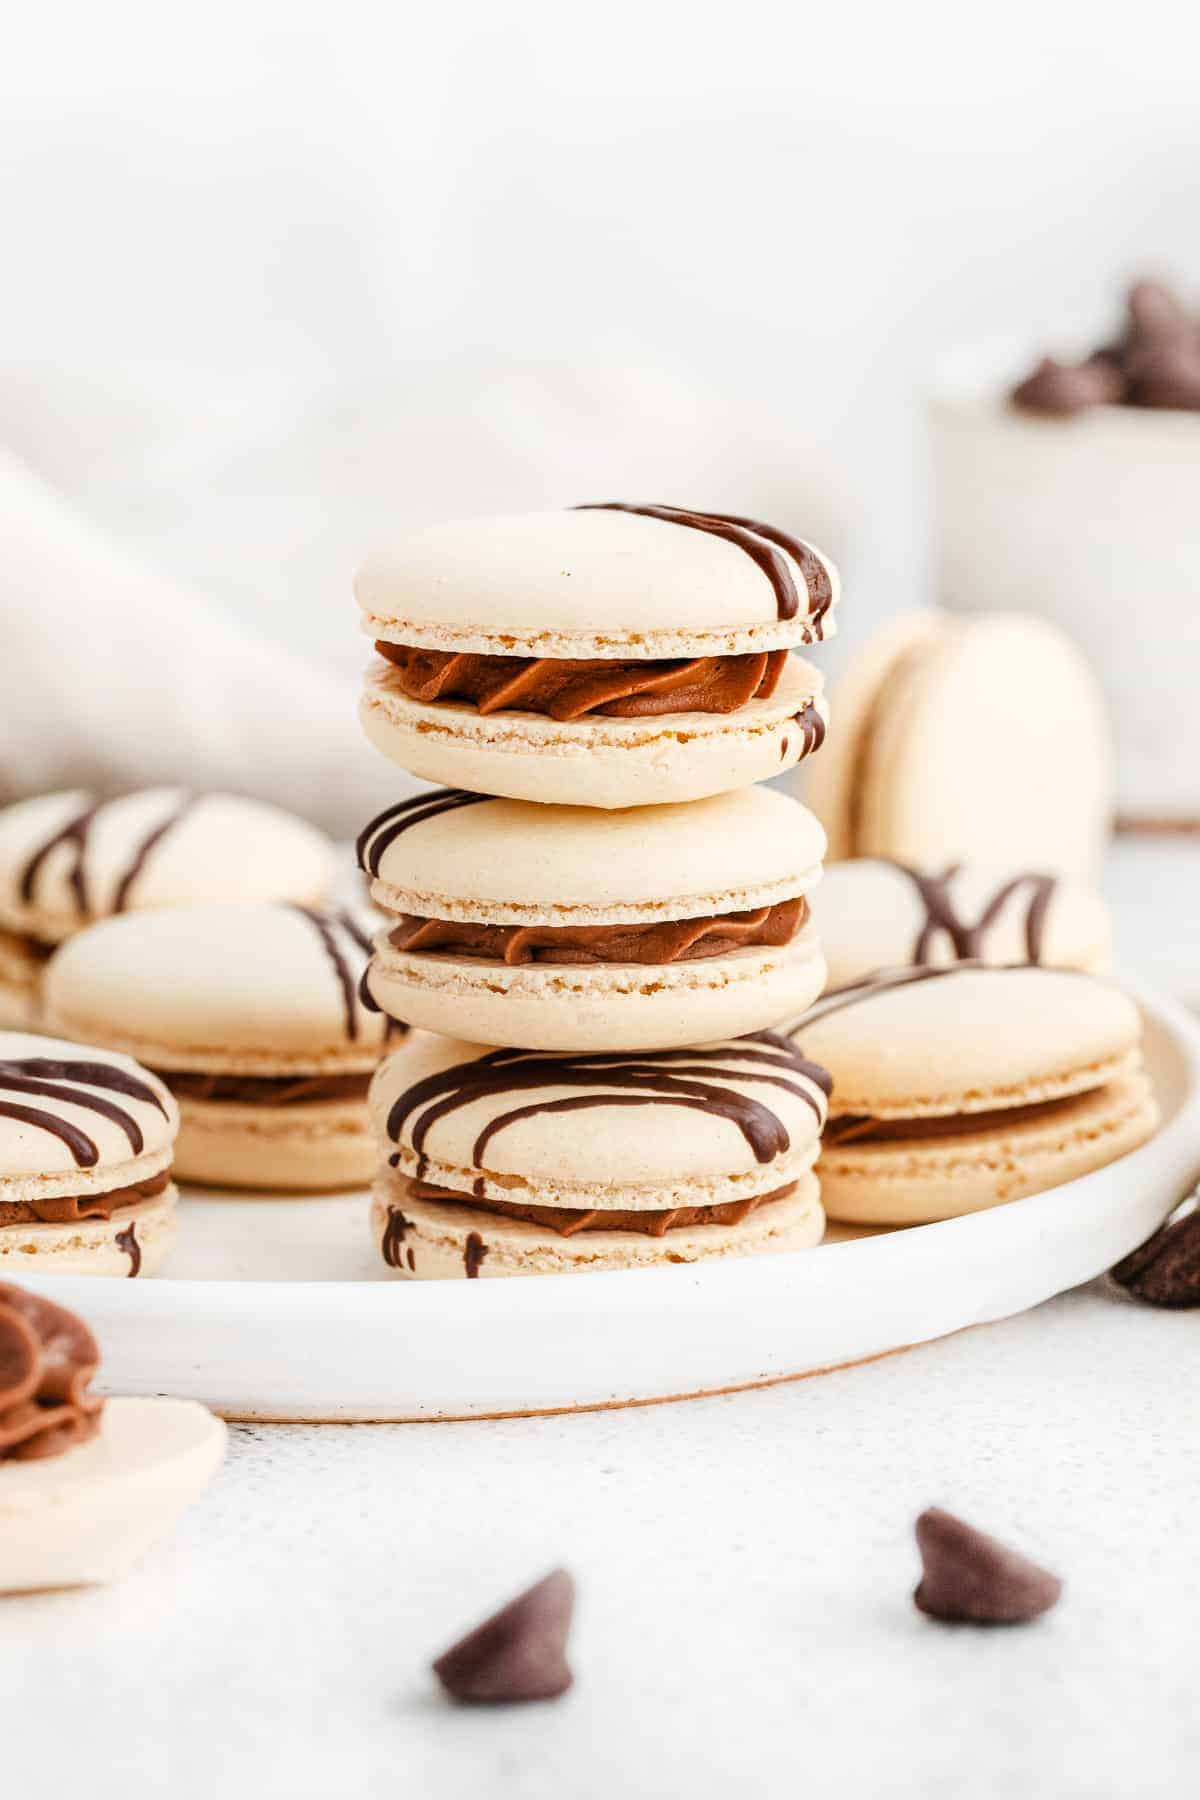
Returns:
(596, 928)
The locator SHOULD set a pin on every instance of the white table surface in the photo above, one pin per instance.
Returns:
(745, 1566)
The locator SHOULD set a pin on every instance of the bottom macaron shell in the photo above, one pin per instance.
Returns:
(289, 1148)
(453, 1242)
(599, 1006)
(919, 1181)
(599, 761)
(89, 1515)
(136, 1241)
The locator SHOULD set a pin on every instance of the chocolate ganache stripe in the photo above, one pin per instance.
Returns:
(969, 940)
(397, 819)
(74, 832)
(146, 849)
(883, 981)
(341, 968)
(694, 1080)
(47, 1077)
(762, 543)
(127, 1241)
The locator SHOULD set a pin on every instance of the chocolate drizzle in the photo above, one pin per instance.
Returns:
(127, 1241)
(77, 833)
(696, 1079)
(968, 940)
(394, 1234)
(374, 839)
(52, 1079)
(145, 850)
(323, 925)
(762, 543)
(474, 1251)
(811, 721)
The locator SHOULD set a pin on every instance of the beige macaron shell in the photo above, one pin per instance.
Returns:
(225, 989)
(507, 862)
(989, 745)
(578, 583)
(94, 1246)
(90, 1515)
(597, 761)
(870, 915)
(970, 1039)
(309, 1149)
(36, 1164)
(215, 848)
(436, 1236)
(623, 1156)
(914, 1182)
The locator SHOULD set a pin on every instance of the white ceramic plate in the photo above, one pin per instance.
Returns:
(281, 1309)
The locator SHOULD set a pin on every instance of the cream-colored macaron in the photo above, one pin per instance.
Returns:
(507, 1162)
(604, 656)
(253, 1017)
(967, 740)
(959, 1086)
(87, 1486)
(560, 928)
(86, 1148)
(68, 859)
(873, 914)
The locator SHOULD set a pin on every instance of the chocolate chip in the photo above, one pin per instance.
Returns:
(970, 1578)
(519, 1653)
(1166, 375)
(1165, 1271)
(1066, 388)
(1155, 313)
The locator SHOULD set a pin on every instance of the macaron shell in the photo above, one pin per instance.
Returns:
(35, 1162)
(236, 989)
(160, 847)
(657, 1152)
(434, 1245)
(310, 1149)
(917, 1181)
(90, 1515)
(509, 863)
(599, 1006)
(870, 915)
(578, 583)
(597, 762)
(91, 1246)
(969, 1039)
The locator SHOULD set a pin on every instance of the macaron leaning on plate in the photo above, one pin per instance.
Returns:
(872, 914)
(958, 1087)
(967, 740)
(68, 859)
(86, 1147)
(565, 928)
(251, 1015)
(509, 1163)
(599, 656)
(87, 1486)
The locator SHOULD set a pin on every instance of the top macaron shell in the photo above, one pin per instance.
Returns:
(79, 860)
(262, 990)
(583, 583)
(132, 1136)
(870, 914)
(965, 1039)
(655, 1153)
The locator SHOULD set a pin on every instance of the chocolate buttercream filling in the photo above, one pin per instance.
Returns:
(861, 1128)
(566, 688)
(69, 1209)
(566, 1221)
(47, 1360)
(265, 1090)
(665, 941)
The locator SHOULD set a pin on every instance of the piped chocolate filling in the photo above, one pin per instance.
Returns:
(566, 1221)
(665, 941)
(265, 1090)
(566, 688)
(69, 1209)
(860, 1128)
(47, 1360)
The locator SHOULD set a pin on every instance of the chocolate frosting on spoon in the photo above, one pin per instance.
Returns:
(47, 1360)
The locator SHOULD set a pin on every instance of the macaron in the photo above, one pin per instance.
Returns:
(86, 1485)
(873, 914)
(967, 740)
(251, 1016)
(86, 1147)
(68, 859)
(608, 655)
(507, 1162)
(960, 1086)
(564, 928)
